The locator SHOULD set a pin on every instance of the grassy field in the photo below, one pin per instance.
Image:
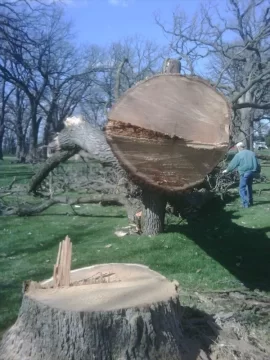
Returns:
(225, 247)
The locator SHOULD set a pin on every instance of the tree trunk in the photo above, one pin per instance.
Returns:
(45, 141)
(251, 133)
(48, 127)
(243, 123)
(34, 131)
(33, 142)
(154, 202)
(20, 145)
(154, 212)
(2, 131)
(134, 314)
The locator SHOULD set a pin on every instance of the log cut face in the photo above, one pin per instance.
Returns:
(169, 131)
(110, 311)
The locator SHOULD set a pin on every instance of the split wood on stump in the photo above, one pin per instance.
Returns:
(110, 312)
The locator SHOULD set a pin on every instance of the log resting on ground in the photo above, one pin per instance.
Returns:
(110, 311)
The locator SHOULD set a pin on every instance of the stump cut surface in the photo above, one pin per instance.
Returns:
(118, 286)
(110, 311)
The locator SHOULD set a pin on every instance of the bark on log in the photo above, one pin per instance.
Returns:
(171, 66)
(77, 135)
(153, 212)
(113, 311)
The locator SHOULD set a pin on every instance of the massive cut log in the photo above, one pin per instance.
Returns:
(166, 133)
(112, 311)
(169, 131)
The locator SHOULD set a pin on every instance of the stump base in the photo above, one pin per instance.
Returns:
(111, 311)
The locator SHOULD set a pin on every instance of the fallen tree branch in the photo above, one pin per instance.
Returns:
(12, 183)
(78, 135)
(131, 206)
(50, 164)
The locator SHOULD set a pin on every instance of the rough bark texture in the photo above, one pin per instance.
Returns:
(47, 330)
(171, 66)
(154, 212)
(117, 78)
(242, 126)
(79, 133)
(2, 130)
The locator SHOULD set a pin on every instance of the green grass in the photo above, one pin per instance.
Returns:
(227, 247)
(22, 172)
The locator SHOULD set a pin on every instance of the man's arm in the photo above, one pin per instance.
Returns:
(233, 164)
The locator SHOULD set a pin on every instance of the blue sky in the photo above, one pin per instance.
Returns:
(103, 21)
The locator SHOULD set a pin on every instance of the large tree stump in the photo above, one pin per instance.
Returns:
(110, 312)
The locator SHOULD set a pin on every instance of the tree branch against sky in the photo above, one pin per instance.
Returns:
(232, 47)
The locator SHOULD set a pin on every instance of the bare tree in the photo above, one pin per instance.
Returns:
(5, 92)
(233, 47)
(124, 63)
(18, 121)
(32, 48)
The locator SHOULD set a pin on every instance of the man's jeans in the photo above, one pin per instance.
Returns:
(245, 188)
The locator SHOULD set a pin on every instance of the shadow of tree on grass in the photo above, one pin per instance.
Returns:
(243, 251)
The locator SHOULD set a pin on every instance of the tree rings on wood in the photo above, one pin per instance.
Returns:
(169, 131)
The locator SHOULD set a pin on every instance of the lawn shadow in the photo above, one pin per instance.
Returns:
(243, 251)
(261, 203)
(200, 331)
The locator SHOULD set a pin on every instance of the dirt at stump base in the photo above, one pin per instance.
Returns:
(227, 325)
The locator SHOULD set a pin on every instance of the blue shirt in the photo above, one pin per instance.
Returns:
(244, 160)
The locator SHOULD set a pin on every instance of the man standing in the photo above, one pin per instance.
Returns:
(247, 164)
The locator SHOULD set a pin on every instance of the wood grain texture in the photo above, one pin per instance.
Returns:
(169, 131)
(172, 104)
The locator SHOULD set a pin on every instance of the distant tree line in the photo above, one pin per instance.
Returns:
(45, 77)
(232, 46)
